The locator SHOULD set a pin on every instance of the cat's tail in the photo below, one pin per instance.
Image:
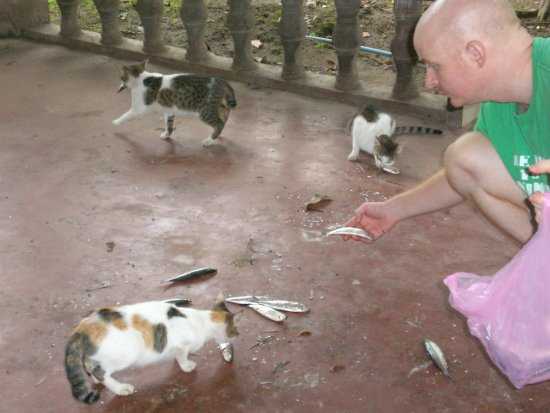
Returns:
(416, 130)
(230, 95)
(74, 367)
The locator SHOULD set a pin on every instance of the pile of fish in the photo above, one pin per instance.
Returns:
(269, 307)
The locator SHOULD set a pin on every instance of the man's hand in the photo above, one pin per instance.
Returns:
(537, 199)
(374, 217)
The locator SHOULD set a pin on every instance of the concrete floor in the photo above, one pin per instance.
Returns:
(70, 183)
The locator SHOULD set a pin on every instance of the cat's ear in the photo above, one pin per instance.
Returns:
(220, 303)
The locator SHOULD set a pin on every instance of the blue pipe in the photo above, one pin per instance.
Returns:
(361, 48)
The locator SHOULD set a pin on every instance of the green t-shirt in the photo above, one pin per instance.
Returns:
(522, 139)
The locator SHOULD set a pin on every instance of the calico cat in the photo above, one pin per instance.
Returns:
(210, 98)
(113, 339)
(374, 132)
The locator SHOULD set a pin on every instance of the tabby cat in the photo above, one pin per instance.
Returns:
(210, 98)
(113, 339)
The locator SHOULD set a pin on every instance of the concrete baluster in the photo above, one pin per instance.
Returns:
(407, 13)
(150, 13)
(346, 43)
(193, 15)
(109, 13)
(292, 29)
(70, 26)
(240, 21)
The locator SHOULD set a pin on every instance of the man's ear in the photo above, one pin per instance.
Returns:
(476, 53)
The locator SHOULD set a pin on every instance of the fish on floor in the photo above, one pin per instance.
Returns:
(209, 98)
(116, 338)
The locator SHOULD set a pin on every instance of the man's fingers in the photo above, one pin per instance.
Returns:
(541, 167)
(537, 198)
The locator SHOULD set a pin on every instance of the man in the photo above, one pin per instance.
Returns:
(477, 51)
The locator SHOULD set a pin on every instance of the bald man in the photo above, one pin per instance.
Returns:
(477, 51)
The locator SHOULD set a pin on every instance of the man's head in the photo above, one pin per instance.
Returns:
(462, 42)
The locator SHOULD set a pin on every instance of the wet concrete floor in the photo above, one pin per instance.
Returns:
(94, 215)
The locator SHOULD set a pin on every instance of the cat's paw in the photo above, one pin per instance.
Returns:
(117, 122)
(208, 142)
(353, 156)
(188, 366)
(125, 389)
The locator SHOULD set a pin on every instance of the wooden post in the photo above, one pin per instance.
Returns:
(193, 15)
(110, 30)
(70, 26)
(292, 30)
(346, 43)
(150, 13)
(407, 13)
(241, 21)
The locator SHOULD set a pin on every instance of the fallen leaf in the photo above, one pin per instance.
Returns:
(317, 203)
(337, 368)
(256, 43)
(366, 34)
(110, 246)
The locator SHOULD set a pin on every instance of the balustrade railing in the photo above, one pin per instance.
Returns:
(292, 31)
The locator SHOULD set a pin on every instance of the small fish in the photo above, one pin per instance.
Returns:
(437, 356)
(283, 305)
(227, 352)
(353, 231)
(178, 302)
(391, 169)
(268, 312)
(192, 274)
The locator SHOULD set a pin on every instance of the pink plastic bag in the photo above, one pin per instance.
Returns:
(510, 311)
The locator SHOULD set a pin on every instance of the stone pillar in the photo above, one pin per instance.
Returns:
(109, 11)
(292, 30)
(150, 13)
(17, 15)
(346, 43)
(407, 13)
(193, 15)
(241, 21)
(70, 26)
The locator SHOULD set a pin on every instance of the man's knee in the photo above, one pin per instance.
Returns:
(466, 159)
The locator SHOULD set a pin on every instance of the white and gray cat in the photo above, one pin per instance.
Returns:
(374, 132)
(210, 98)
(116, 338)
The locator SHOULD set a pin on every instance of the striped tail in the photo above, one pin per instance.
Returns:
(74, 358)
(230, 95)
(416, 130)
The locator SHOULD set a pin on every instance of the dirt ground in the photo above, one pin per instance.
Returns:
(375, 17)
